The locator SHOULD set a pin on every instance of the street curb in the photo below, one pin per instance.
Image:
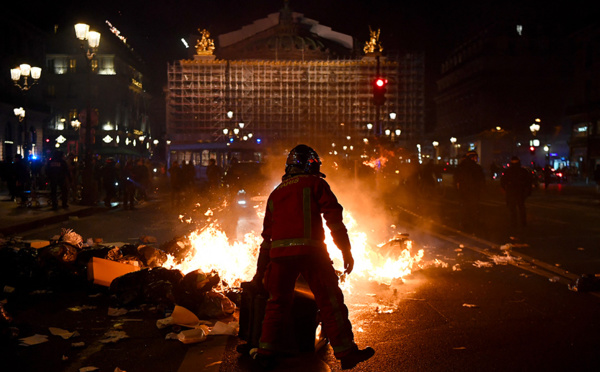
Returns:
(35, 223)
(524, 262)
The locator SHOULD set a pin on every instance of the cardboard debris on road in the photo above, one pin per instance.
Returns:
(103, 272)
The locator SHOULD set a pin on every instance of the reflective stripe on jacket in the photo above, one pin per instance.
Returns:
(293, 221)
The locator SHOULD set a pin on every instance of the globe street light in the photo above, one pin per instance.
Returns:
(535, 127)
(24, 71)
(83, 33)
(20, 76)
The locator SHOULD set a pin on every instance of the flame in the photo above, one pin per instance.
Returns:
(376, 163)
(235, 261)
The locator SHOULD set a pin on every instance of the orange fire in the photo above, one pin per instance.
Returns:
(236, 261)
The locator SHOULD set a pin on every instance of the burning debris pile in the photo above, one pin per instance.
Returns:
(135, 274)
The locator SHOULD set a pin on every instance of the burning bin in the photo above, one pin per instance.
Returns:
(302, 334)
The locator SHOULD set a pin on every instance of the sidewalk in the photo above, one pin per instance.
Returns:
(15, 219)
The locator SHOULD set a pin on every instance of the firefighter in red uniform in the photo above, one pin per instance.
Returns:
(294, 244)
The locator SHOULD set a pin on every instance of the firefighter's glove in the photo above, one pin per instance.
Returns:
(262, 262)
(348, 261)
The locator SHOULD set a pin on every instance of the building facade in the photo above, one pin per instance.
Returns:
(584, 108)
(495, 85)
(105, 86)
(286, 79)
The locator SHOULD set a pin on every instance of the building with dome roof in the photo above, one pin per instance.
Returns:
(287, 79)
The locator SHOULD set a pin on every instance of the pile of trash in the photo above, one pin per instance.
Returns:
(65, 262)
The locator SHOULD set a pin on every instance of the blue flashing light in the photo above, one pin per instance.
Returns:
(258, 140)
(231, 140)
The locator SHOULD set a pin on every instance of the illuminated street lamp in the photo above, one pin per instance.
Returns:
(436, 149)
(453, 142)
(83, 33)
(20, 113)
(535, 127)
(23, 72)
(20, 76)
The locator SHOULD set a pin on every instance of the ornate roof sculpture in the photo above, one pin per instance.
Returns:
(373, 45)
(205, 46)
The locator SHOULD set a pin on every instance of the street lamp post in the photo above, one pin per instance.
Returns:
(83, 33)
(24, 77)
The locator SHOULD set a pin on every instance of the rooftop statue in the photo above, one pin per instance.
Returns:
(205, 46)
(373, 45)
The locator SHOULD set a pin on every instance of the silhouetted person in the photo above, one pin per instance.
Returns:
(128, 185)
(517, 184)
(110, 177)
(176, 183)
(214, 174)
(469, 181)
(59, 177)
(22, 178)
(141, 178)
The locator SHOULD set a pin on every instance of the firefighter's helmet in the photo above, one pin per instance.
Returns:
(304, 159)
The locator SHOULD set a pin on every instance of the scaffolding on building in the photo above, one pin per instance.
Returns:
(287, 102)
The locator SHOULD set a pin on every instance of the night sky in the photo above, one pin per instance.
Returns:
(154, 28)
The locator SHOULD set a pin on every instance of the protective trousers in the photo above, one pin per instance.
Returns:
(280, 279)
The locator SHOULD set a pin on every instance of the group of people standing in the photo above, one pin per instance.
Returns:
(130, 179)
(469, 179)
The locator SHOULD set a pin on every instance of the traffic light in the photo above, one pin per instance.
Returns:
(379, 89)
(532, 150)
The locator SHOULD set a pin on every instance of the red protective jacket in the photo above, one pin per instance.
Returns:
(293, 224)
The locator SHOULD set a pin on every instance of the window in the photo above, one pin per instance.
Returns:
(72, 65)
(106, 65)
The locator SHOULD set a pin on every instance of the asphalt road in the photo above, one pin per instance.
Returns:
(471, 306)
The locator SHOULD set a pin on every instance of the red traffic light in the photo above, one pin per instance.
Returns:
(380, 82)
(379, 90)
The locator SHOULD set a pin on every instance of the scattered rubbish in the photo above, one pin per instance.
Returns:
(184, 317)
(506, 247)
(117, 369)
(171, 336)
(65, 358)
(8, 289)
(63, 333)
(459, 348)
(384, 309)
(554, 279)
(116, 311)
(580, 249)
(194, 335)
(103, 272)
(88, 369)
(33, 340)
(221, 328)
(503, 260)
(586, 283)
(81, 308)
(36, 244)
(481, 264)
(470, 305)
(113, 336)
(456, 267)
(78, 344)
